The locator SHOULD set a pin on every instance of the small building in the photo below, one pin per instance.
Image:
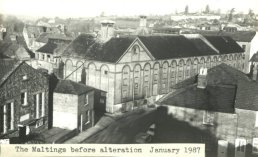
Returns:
(73, 105)
(223, 102)
(23, 99)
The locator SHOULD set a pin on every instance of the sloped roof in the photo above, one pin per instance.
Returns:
(14, 50)
(212, 98)
(174, 46)
(7, 66)
(224, 44)
(242, 36)
(247, 95)
(43, 37)
(227, 88)
(254, 57)
(2, 56)
(48, 48)
(71, 87)
(85, 46)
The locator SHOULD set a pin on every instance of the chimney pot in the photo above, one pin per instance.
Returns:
(202, 80)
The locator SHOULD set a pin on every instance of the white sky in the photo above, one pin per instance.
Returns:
(82, 8)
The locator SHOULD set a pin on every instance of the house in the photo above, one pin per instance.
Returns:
(49, 55)
(23, 99)
(222, 101)
(136, 69)
(15, 47)
(74, 105)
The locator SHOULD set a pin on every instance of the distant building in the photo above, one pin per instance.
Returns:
(74, 105)
(49, 55)
(194, 17)
(23, 99)
(223, 102)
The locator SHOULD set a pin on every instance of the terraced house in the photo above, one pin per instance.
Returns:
(23, 99)
(136, 69)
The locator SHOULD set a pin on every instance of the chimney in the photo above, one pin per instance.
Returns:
(107, 30)
(202, 78)
(143, 21)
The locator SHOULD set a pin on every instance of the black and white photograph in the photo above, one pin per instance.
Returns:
(130, 72)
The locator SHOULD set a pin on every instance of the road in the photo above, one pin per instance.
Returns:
(125, 129)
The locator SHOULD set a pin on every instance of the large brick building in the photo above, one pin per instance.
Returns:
(23, 99)
(133, 69)
(224, 103)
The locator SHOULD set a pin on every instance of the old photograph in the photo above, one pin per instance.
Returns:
(130, 72)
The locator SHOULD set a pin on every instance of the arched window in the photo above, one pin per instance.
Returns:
(230, 60)
(146, 80)
(202, 64)
(164, 77)
(188, 68)
(137, 81)
(215, 61)
(69, 70)
(195, 67)
(208, 63)
(125, 83)
(173, 73)
(79, 67)
(155, 81)
(180, 73)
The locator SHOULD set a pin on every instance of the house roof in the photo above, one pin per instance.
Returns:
(254, 57)
(212, 98)
(7, 66)
(43, 37)
(71, 87)
(14, 50)
(247, 95)
(224, 44)
(227, 88)
(241, 36)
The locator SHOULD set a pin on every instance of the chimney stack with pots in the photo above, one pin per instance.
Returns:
(202, 78)
(107, 30)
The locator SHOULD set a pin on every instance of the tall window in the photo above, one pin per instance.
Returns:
(187, 68)
(137, 82)
(86, 99)
(24, 98)
(164, 78)
(173, 73)
(125, 83)
(208, 118)
(155, 79)
(180, 70)
(146, 80)
(135, 52)
(240, 145)
(6, 117)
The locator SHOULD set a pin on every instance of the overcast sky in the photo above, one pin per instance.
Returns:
(82, 8)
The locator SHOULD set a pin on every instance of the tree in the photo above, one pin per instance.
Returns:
(207, 9)
(230, 16)
(251, 14)
(186, 9)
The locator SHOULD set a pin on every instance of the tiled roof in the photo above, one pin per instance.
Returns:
(48, 48)
(212, 98)
(254, 57)
(226, 87)
(7, 66)
(2, 56)
(247, 95)
(174, 46)
(86, 46)
(71, 87)
(43, 37)
(14, 50)
(224, 44)
(242, 36)
(161, 47)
